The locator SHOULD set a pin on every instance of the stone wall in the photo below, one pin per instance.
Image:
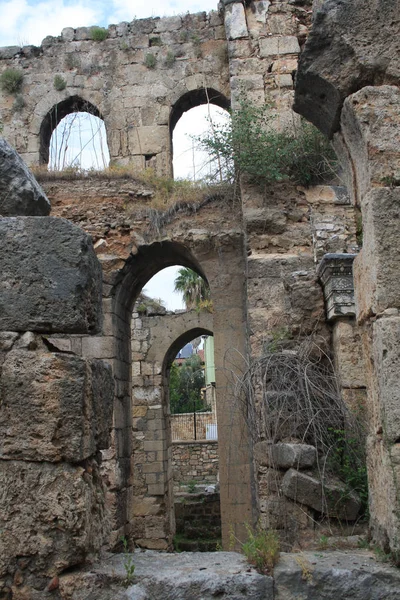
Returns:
(195, 461)
(55, 407)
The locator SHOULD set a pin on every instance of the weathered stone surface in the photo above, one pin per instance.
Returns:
(348, 353)
(50, 279)
(279, 45)
(371, 129)
(20, 193)
(334, 576)
(51, 515)
(285, 456)
(332, 499)
(235, 22)
(54, 407)
(183, 576)
(336, 274)
(386, 338)
(351, 45)
(376, 268)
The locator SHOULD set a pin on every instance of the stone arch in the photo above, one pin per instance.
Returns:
(55, 115)
(223, 267)
(195, 98)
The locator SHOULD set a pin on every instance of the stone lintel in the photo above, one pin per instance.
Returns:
(335, 272)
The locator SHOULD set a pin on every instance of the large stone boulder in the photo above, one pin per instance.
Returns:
(20, 193)
(50, 278)
(351, 45)
(52, 516)
(54, 407)
(285, 456)
(326, 498)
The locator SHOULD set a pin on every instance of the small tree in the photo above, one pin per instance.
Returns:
(185, 384)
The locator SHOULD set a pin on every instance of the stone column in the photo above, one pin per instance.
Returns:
(370, 126)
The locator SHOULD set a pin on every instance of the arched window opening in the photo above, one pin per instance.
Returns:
(73, 135)
(197, 114)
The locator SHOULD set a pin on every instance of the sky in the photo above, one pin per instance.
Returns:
(25, 22)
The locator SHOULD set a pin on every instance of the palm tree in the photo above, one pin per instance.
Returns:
(192, 287)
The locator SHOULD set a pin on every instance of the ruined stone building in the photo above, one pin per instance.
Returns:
(85, 450)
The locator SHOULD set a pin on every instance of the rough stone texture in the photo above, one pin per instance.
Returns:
(330, 498)
(235, 22)
(54, 407)
(334, 576)
(51, 518)
(348, 354)
(377, 286)
(351, 45)
(20, 193)
(50, 279)
(386, 343)
(182, 576)
(285, 456)
(195, 461)
(370, 128)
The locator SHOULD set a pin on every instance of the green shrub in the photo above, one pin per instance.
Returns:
(150, 61)
(59, 83)
(99, 34)
(170, 60)
(261, 549)
(251, 144)
(19, 103)
(11, 81)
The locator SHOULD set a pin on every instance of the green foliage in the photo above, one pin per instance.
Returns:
(155, 41)
(98, 34)
(19, 103)
(150, 61)
(185, 384)
(59, 83)
(349, 463)
(128, 563)
(170, 60)
(11, 81)
(191, 487)
(261, 549)
(252, 144)
(192, 287)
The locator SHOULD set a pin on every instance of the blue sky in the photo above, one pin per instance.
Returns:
(29, 21)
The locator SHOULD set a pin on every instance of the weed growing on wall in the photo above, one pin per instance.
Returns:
(98, 34)
(11, 81)
(252, 144)
(150, 61)
(261, 548)
(128, 563)
(59, 83)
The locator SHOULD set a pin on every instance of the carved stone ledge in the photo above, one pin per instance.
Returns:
(335, 272)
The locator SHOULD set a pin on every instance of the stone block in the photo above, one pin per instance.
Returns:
(365, 38)
(20, 193)
(53, 515)
(376, 268)
(285, 456)
(371, 128)
(348, 353)
(386, 344)
(279, 45)
(50, 279)
(332, 499)
(235, 22)
(54, 407)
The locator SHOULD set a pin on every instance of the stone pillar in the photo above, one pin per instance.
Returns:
(370, 126)
(336, 274)
(55, 407)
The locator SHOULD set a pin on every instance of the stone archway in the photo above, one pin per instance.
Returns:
(70, 105)
(223, 266)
